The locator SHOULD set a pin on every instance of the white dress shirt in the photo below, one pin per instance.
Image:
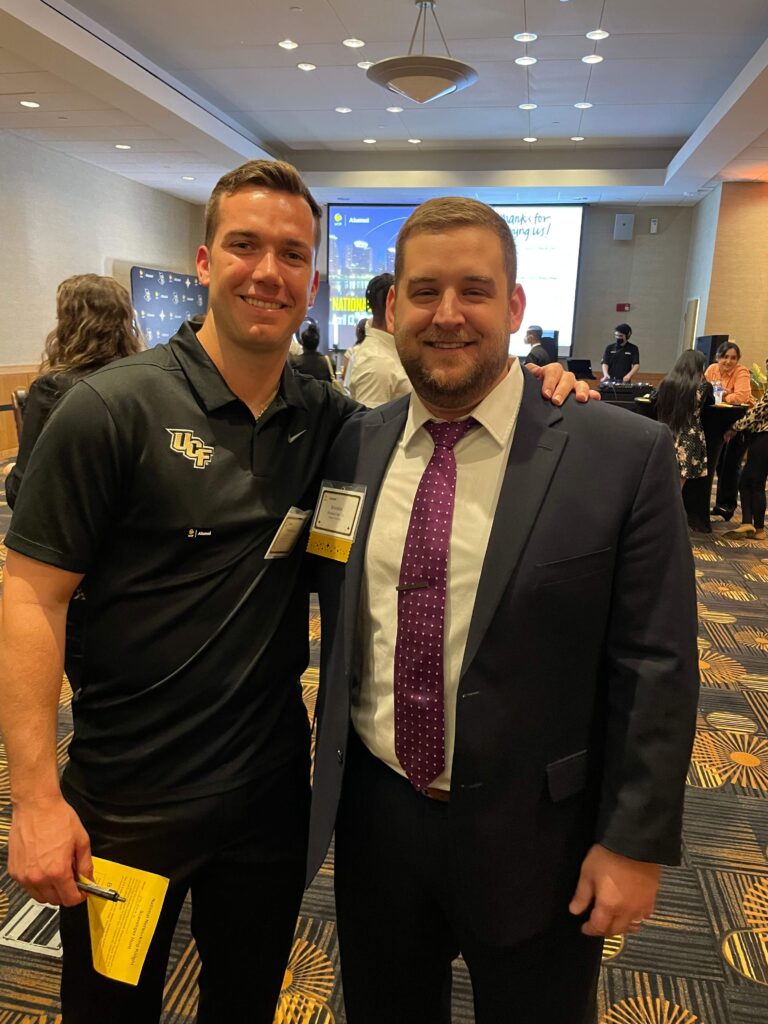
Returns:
(481, 459)
(377, 375)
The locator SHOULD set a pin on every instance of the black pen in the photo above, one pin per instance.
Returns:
(96, 890)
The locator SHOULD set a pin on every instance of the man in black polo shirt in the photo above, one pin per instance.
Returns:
(171, 487)
(621, 360)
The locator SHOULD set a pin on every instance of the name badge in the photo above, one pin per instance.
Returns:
(288, 533)
(337, 517)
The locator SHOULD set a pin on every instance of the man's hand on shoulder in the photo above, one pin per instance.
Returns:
(557, 384)
(620, 891)
(48, 850)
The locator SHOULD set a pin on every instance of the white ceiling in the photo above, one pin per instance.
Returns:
(680, 101)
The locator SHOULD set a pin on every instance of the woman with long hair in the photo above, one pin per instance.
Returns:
(682, 395)
(95, 324)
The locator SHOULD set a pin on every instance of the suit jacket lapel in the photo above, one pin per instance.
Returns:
(377, 439)
(533, 458)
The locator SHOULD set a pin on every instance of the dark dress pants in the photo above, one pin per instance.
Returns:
(752, 484)
(728, 469)
(399, 929)
(242, 856)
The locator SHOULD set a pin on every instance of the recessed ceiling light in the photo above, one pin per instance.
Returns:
(599, 33)
(353, 44)
(395, 110)
(528, 106)
(525, 37)
(187, 177)
(288, 44)
(312, 67)
(296, 10)
(29, 103)
(121, 145)
(592, 58)
(343, 110)
(583, 105)
(530, 138)
(577, 138)
(365, 64)
(415, 142)
(369, 142)
(525, 61)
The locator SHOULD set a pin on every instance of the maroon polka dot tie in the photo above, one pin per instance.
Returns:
(419, 701)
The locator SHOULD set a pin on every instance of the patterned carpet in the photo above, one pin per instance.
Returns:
(702, 959)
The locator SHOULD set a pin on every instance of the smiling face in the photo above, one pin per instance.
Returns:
(728, 361)
(260, 269)
(452, 312)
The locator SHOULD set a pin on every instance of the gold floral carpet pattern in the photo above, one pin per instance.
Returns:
(702, 959)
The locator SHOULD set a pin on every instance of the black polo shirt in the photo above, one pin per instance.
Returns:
(620, 359)
(158, 484)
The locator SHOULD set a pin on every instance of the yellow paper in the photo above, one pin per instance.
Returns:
(326, 546)
(121, 932)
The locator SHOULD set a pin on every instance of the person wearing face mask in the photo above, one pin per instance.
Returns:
(729, 374)
(621, 360)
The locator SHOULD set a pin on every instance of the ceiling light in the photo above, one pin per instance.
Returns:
(121, 145)
(599, 33)
(592, 58)
(525, 61)
(414, 142)
(394, 110)
(530, 138)
(343, 110)
(528, 106)
(29, 103)
(353, 44)
(577, 138)
(312, 67)
(365, 64)
(187, 177)
(369, 142)
(288, 44)
(525, 37)
(583, 105)
(422, 77)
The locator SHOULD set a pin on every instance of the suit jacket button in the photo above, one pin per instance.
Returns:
(340, 756)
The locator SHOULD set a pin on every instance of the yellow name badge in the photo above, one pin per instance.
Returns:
(336, 519)
(121, 932)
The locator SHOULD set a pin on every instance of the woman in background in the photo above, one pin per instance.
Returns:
(754, 426)
(730, 375)
(312, 362)
(95, 325)
(682, 395)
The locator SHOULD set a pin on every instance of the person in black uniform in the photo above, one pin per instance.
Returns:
(313, 363)
(538, 355)
(621, 360)
(171, 486)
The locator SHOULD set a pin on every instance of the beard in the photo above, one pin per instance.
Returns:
(449, 388)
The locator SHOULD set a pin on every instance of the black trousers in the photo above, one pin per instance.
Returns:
(242, 856)
(752, 483)
(398, 927)
(728, 467)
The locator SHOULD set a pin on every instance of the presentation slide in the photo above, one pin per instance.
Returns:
(361, 244)
(163, 299)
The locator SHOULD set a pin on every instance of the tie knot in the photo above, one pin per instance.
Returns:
(446, 435)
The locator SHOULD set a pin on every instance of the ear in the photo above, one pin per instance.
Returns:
(391, 310)
(516, 308)
(203, 262)
(313, 289)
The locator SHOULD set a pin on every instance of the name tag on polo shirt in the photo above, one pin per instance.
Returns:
(288, 533)
(337, 517)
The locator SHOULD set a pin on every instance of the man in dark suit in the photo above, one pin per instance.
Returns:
(521, 681)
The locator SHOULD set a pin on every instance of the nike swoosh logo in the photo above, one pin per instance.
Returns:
(292, 439)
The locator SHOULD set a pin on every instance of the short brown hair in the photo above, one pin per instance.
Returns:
(451, 212)
(95, 325)
(276, 175)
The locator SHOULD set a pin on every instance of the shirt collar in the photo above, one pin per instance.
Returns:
(206, 381)
(497, 412)
(383, 336)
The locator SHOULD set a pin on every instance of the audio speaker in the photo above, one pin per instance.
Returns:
(623, 227)
(709, 344)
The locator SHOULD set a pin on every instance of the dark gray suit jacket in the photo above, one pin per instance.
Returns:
(577, 699)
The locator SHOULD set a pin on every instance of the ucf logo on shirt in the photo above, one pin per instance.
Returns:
(191, 447)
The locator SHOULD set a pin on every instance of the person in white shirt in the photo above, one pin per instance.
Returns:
(377, 374)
